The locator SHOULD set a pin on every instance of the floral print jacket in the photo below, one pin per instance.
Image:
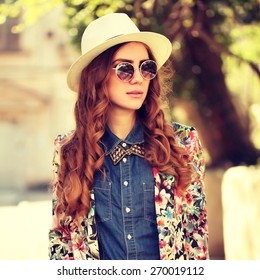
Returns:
(181, 220)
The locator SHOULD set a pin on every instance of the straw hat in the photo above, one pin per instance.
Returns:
(108, 31)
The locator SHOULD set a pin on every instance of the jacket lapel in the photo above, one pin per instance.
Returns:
(169, 216)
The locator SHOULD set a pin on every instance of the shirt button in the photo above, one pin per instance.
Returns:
(124, 145)
(125, 183)
(129, 236)
(124, 160)
(127, 209)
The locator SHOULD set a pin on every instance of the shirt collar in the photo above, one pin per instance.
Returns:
(110, 140)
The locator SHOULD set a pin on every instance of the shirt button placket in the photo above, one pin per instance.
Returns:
(127, 207)
(124, 159)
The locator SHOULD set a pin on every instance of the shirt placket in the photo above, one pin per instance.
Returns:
(127, 206)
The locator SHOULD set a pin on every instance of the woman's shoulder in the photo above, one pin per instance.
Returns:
(183, 132)
(180, 127)
(188, 137)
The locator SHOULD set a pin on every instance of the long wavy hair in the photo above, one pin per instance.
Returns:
(82, 154)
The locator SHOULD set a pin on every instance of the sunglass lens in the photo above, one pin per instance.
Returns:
(148, 69)
(125, 71)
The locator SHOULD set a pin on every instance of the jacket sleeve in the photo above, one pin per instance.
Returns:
(194, 203)
(60, 245)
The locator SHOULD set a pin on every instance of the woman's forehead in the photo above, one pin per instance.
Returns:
(132, 51)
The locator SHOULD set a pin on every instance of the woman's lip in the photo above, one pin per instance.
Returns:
(135, 92)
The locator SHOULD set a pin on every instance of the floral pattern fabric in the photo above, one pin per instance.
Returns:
(181, 220)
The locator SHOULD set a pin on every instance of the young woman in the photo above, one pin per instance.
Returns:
(127, 184)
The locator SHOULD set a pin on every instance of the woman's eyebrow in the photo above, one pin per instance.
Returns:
(127, 60)
(123, 60)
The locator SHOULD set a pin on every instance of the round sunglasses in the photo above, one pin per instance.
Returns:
(125, 70)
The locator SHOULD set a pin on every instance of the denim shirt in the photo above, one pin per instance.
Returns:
(125, 208)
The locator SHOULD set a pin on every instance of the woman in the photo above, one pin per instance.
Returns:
(127, 184)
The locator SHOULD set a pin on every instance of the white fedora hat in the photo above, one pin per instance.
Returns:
(108, 31)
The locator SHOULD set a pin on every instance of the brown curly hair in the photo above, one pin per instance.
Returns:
(82, 154)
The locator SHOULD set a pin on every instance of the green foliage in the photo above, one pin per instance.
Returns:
(246, 42)
(169, 17)
(79, 13)
(27, 10)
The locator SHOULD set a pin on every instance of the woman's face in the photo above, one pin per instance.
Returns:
(128, 96)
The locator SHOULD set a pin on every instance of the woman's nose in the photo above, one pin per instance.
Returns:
(137, 77)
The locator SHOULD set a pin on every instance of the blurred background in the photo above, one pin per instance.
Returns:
(216, 58)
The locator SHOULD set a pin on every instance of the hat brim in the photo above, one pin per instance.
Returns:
(159, 45)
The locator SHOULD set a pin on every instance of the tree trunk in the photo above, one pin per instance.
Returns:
(227, 139)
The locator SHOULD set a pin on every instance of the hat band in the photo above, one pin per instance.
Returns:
(114, 37)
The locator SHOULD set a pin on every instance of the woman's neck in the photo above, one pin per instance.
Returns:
(122, 124)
